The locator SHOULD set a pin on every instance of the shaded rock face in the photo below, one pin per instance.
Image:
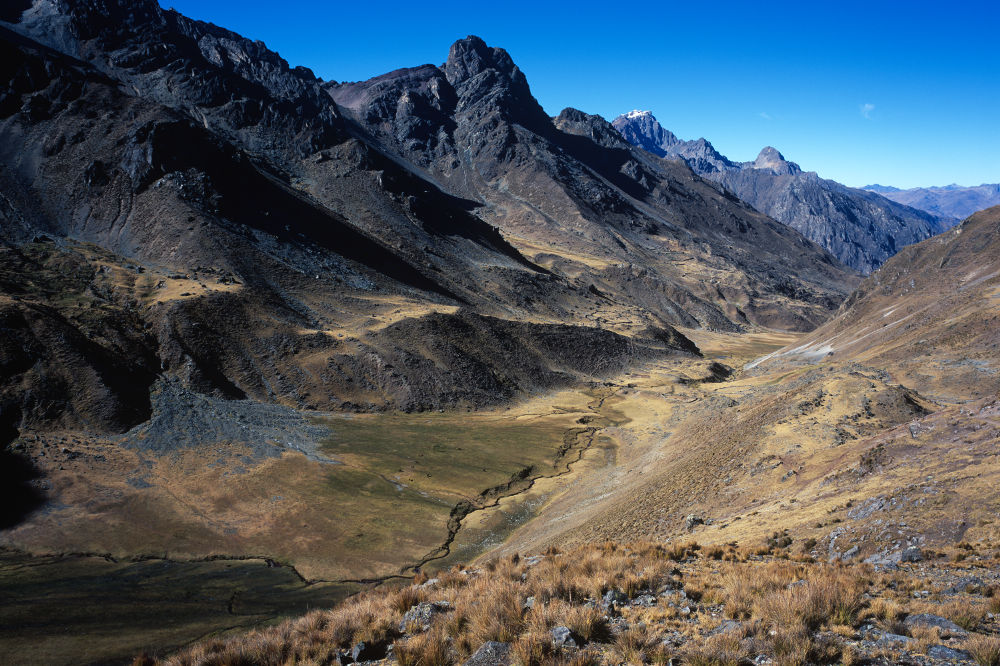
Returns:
(226, 82)
(860, 228)
(144, 144)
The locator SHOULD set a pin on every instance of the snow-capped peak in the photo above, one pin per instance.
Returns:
(637, 114)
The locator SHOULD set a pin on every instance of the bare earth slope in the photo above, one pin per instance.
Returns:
(929, 316)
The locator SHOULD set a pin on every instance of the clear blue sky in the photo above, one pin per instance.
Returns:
(899, 93)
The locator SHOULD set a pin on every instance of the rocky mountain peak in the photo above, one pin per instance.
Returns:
(471, 56)
(769, 154)
(574, 121)
(770, 158)
(487, 82)
(824, 211)
(642, 129)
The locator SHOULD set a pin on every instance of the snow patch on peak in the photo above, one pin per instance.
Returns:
(636, 113)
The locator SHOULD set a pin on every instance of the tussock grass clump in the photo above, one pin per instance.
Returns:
(787, 595)
(429, 649)
(720, 650)
(965, 613)
(497, 614)
(832, 598)
(985, 650)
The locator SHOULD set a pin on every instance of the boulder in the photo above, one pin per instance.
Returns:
(613, 598)
(564, 637)
(893, 640)
(419, 617)
(912, 554)
(490, 653)
(946, 626)
(945, 653)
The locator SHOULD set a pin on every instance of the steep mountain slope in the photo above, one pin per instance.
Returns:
(930, 316)
(858, 227)
(947, 201)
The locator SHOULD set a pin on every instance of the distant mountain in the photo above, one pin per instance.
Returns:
(947, 201)
(881, 189)
(860, 228)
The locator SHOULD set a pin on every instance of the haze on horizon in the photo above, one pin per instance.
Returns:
(862, 94)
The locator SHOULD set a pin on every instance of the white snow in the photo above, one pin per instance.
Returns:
(636, 113)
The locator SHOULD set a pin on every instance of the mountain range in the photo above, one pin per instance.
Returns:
(285, 209)
(859, 227)
(946, 201)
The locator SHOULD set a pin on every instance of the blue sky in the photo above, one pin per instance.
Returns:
(900, 93)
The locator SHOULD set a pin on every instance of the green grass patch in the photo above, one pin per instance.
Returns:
(444, 455)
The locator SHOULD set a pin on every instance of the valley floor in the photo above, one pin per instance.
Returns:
(829, 461)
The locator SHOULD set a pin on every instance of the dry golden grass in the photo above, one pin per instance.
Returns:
(428, 649)
(925, 637)
(793, 612)
(985, 650)
(965, 613)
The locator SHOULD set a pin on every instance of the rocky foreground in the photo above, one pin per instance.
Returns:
(653, 603)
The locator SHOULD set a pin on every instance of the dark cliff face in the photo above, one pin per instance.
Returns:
(221, 80)
(860, 228)
(225, 213)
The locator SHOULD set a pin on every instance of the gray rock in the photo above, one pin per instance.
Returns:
(613, 598)
(912, 554)
(564, 637)
(893, 640)
(490, 653)
(419, 617)
(646, 600)
(725, 627)
(692, 520)
(927, 620)
(946, 653)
